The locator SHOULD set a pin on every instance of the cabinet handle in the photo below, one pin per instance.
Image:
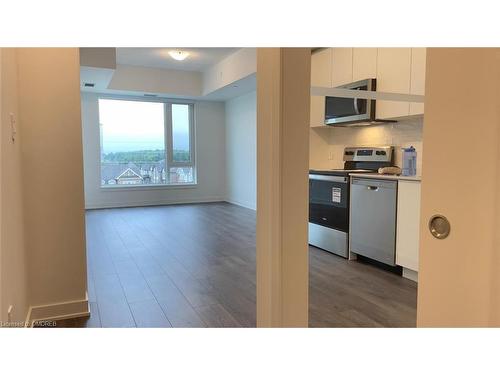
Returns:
(373, 188)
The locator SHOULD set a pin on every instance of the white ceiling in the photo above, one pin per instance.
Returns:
(199, 59)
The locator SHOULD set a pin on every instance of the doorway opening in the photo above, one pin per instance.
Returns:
(170, 214)
(364, 225)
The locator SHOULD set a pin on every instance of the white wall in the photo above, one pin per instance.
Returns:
(234, 67)
(210, 162)
(52, 171)
(155, 80)
(241, 147)
(13, 275)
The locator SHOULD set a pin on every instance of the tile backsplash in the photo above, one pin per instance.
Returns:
(405, 133)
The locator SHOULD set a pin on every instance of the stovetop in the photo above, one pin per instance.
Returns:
(360, 160)
(340, 172)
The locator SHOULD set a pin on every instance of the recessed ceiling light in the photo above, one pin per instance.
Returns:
(178, 55)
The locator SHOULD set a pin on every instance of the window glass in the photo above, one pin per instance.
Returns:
(179, 175)
(180, 133)
(132, 142)
(133, 136)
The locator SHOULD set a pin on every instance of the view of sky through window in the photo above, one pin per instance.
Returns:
(131, 125)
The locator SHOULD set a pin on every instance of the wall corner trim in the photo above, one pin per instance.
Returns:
(58, 311)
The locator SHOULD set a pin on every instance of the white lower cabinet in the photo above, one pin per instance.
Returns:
(408, 227)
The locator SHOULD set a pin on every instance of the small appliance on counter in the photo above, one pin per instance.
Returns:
(409, 167)
(329, 196)
(389, 170)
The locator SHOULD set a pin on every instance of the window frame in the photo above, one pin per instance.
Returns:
(169, 140)
(167, 128)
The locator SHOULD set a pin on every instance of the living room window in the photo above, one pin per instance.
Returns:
(145, 143)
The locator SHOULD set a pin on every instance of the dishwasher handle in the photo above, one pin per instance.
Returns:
(375, 184)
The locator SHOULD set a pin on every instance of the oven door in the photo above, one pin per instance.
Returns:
(350, 110)
(329, 201)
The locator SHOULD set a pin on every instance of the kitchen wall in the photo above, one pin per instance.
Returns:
(13, 269)
(319, 148)
(210, 162)
(241, 147)
(329, 150)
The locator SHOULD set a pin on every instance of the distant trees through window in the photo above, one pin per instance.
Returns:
(135, 156)
(145, 143)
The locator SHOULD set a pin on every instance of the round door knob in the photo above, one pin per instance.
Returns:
(439, 226)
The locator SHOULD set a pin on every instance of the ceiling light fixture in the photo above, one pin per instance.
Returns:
(178, 55)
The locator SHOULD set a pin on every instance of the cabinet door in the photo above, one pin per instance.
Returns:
(408, 224)
(321, 68)
(321, 75)
(364, 63)
(341, 66)
(417, 79)
(393, 75)
(317, 114)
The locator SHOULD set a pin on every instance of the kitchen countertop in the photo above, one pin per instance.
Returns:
(386, 176)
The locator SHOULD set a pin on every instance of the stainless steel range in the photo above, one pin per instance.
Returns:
(329, 196)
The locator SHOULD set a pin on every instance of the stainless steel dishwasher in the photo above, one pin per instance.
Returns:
(373, 219)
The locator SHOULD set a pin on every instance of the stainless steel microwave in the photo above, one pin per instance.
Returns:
(351, 111)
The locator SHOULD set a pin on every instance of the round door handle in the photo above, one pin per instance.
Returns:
(439, 226)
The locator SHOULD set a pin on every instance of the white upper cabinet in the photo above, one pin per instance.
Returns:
(393, 75)
(364, 63)
(321, 76)
(321, 68)
(417, 79)
(397, 70)
(342, 66)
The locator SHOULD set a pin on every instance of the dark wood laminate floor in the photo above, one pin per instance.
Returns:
(194, 266)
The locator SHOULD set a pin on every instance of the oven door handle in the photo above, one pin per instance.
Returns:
(322, 177)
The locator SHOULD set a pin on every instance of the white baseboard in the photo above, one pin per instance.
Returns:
(410, 274)
(163, 202)
(58, 311)
(241, 204)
